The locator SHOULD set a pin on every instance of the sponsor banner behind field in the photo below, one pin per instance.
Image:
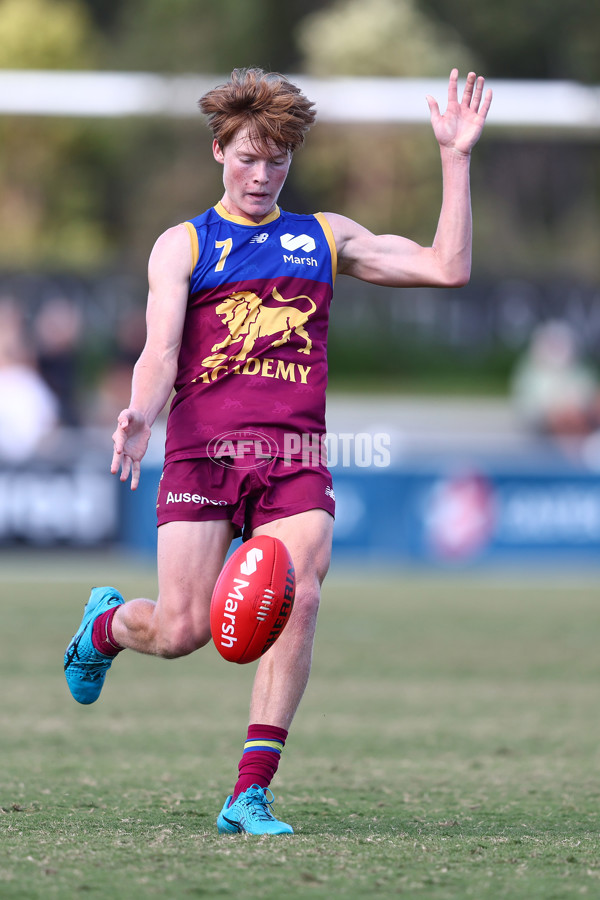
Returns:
(437, 516)
(467, 517)
(46, 505)
(441, 517)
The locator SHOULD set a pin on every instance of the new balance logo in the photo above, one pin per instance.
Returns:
(259, 238)
(297, 242)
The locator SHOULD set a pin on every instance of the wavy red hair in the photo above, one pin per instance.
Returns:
(266, 103)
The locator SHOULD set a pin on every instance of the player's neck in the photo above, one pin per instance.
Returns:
(235, 214)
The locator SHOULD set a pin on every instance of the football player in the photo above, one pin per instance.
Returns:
(237, 318)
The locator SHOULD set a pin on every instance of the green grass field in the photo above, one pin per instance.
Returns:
(448, 747)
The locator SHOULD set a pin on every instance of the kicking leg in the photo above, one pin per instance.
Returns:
(190, 557)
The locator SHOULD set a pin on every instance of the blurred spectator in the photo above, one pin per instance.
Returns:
(28, 408)
(58, 330)
(554, 392)
(114, 389)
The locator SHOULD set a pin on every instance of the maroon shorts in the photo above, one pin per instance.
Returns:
(201, 490)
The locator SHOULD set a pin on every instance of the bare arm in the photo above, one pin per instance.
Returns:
(399, 262)
(156, 369)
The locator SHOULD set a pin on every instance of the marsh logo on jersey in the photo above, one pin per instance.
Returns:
(249, 319)
(297, 242)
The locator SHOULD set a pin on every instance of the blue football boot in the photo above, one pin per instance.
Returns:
(251, 814)
(86, 667)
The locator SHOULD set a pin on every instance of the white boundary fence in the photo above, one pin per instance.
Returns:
(526, 105)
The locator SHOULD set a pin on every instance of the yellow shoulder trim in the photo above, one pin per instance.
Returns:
(327, 231)
(194, 242)
(240, 220)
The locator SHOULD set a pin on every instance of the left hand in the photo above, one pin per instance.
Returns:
(461, 125)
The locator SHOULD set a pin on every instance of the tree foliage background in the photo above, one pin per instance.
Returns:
(94, 194)
(91, 196)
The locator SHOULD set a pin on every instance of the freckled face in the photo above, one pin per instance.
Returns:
(253, 176)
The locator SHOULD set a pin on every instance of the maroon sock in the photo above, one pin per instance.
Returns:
(102, 634)
(260, 758)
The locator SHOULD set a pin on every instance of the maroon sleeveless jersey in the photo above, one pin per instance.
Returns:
(253, 358)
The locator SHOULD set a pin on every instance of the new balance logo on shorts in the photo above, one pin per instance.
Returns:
(329, 492)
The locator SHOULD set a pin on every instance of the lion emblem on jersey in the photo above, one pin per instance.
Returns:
(248, 319)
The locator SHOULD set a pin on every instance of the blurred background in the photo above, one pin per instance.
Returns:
(487, 398)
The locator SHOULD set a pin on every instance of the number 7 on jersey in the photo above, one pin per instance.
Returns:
(225, 248)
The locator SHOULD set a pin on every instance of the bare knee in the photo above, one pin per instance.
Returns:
(180, 637)
(306, 609)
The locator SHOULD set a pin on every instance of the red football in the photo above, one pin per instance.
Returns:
(253, 599)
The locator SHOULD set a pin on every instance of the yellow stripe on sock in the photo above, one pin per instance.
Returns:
(274, 745)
